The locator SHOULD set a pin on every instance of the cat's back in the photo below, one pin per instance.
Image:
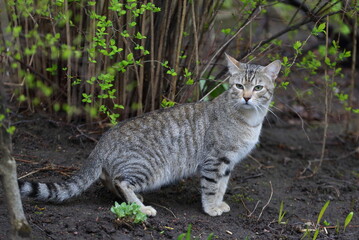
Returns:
(174, 118)
(169, 131)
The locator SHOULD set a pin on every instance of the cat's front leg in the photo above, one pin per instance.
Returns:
(214, 185)
(223, 182)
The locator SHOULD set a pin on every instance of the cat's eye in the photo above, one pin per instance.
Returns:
(239, 86)
(258, 87)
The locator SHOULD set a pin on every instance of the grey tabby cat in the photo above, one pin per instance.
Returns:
(164, 146)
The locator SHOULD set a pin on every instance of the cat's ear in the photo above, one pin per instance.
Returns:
(272, 69)
(233, 64)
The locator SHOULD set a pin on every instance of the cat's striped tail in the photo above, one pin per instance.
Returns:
(61, 191)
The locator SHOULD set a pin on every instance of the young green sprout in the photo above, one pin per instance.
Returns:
(348, 219)
(188, 235)
(281, 213)
(321, 213)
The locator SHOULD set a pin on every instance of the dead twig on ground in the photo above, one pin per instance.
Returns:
(26, 161)
(261, 166)
(270, 198)
(310, 162)
(82, 133)
(161, 206)
(254, 209)
(63, 170)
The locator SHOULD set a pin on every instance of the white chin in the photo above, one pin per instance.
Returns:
(247, 106)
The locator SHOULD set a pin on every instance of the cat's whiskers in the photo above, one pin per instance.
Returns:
(277, 108)
(269, 110)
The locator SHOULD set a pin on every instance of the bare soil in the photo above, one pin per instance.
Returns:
(48, 150)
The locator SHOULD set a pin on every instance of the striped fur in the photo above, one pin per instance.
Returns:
(164, 146)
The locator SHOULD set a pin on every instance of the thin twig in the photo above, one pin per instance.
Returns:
(32, 172)
(53, 168)
(25, 161)
(308, 167)
(195, 35)
(230, 40)
(353, 66)
(270, 198)
(326, 107)
(152, 203)
(69, 65)
(288, 29)
(82, 133)
(244, 205)
(300, 117)
(257, 161)
(204, 97)
(254, 209)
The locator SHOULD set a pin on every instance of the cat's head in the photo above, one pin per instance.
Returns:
(252, 85)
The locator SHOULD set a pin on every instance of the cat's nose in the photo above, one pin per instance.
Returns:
(246, 99)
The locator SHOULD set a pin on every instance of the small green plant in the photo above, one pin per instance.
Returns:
(326, 223)
(188, 234)
(129, 213)
(321, 213)
(281, 213)
(167, 103)
(346, 223)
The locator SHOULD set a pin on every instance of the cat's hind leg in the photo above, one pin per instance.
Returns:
(131, 197)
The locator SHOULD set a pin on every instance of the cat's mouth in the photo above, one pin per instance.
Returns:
(247, 105)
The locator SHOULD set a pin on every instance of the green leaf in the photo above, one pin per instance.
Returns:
(139, 36)
(21, 98)
(165, 64)
(189, 81)
(11, 130)
(57, 107)
(284, 84)
(297, 46)
(167, 103)
(125, 34)
(348, 220)
(315, 234)
(344, 28)
(327, 61)
(226, 31)
(117, 106)
(16, 31)
(319, 29)
(322, 211)
(130, 57)
(171, 72)
(285, 61)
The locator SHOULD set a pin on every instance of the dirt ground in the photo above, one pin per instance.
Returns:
(48, 150)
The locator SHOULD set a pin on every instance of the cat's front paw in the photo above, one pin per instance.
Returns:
(149, 211)
(217, 210)
(213, 211)
(224, 206)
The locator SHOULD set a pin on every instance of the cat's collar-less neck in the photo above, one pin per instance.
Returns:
(243, 121)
